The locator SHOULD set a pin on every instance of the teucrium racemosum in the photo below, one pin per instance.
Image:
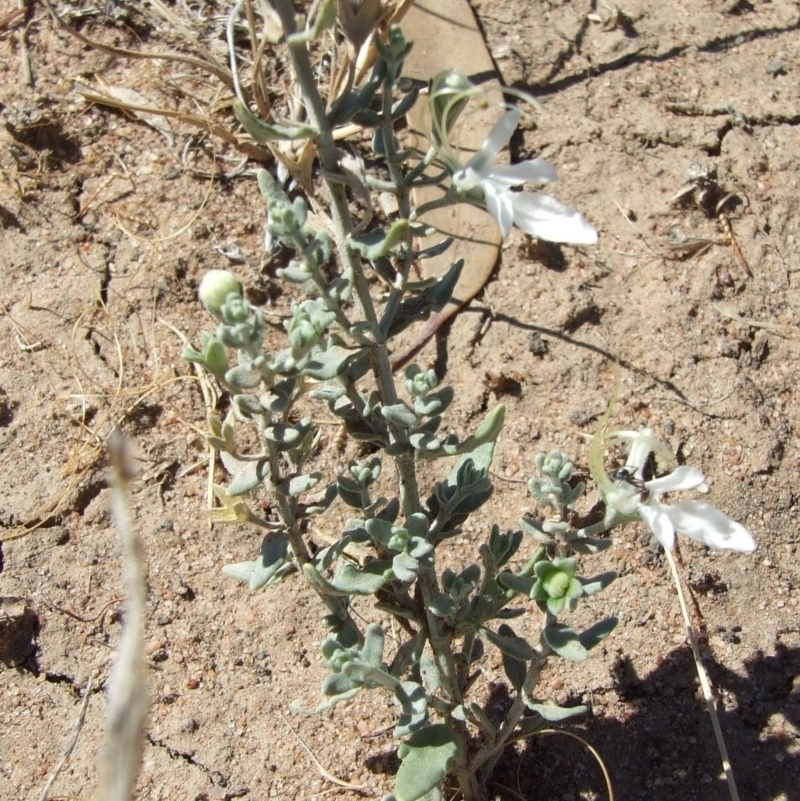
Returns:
(335, 361)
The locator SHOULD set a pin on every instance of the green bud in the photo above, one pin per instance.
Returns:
(216, 288)
(448, 95)
(556, 584)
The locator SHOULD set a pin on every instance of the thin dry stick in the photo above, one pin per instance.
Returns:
(73, 741)
(210, 399)
(587, 746)
(329, 776)
(127, 697)
(704, 682)
(200, 63)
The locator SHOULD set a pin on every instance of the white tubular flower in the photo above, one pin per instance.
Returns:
(629, 495)
(536, 214)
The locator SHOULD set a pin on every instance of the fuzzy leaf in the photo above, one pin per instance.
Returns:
(442, 606)
(588, 545)
(285, 436)
(350, 580)
(372, 652)
(334, 362)
(380, 530)
(521, 584)
(414, 702)
(339, 684)
(243, 377)
(597, 583)
(297, 485)
(265, 132)
(267, 569)
(246, 475)
(595, 634)
(399, 415)
(405, 567)
(427, 756)
(513, 646)
(554, 713)
(515, 668)
(565, 642)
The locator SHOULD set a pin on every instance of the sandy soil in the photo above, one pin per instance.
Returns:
(108, 226)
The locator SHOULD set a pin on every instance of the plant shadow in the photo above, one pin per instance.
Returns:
(666, 748)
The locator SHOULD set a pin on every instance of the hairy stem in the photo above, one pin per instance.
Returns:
(350, 259)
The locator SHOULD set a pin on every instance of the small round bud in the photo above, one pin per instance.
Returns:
(216, 287)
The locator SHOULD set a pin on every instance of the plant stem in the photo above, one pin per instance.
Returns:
(351, 261)
(490, 752)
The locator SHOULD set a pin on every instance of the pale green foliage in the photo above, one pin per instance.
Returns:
(337, 363)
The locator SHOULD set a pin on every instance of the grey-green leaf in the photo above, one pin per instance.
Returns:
(565, 642)
(399, 415)
(515, 668)
(515, 647)
(246, 475)
(588, 545)
(597, 583)
(297, 485)
(427, 756)
(350, 580)
(520, 584)
(265, 132)
(267, 569)
(555, 713)
(414, 702)
(595, 634)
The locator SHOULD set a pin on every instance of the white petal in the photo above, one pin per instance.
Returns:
(682, 478)
(498, 202)
(708, 525)
(533, 171)
(658, 521)
(546, 218)
(641, 445)
(498, 138)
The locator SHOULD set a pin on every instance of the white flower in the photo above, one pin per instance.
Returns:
(629, 495)
(536, 214)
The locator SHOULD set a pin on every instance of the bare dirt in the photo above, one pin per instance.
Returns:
(107, 226)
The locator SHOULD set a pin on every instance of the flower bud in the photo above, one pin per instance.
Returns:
(449, 92)
(216, 287)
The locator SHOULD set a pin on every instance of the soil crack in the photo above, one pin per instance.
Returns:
(217, 779)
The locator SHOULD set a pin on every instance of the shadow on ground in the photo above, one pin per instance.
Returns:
(666, 750)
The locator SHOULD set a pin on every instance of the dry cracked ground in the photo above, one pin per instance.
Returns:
(675, 128)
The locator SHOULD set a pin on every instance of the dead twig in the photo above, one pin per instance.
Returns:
(329, 776)
(127, 696)
(73, 741)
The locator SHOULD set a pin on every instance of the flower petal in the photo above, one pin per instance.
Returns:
(641, 445)
(499, 205)
(498, 138)
(682, 478)
(706, 524)
(534, 171)
(544, 217)
(656, 516)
